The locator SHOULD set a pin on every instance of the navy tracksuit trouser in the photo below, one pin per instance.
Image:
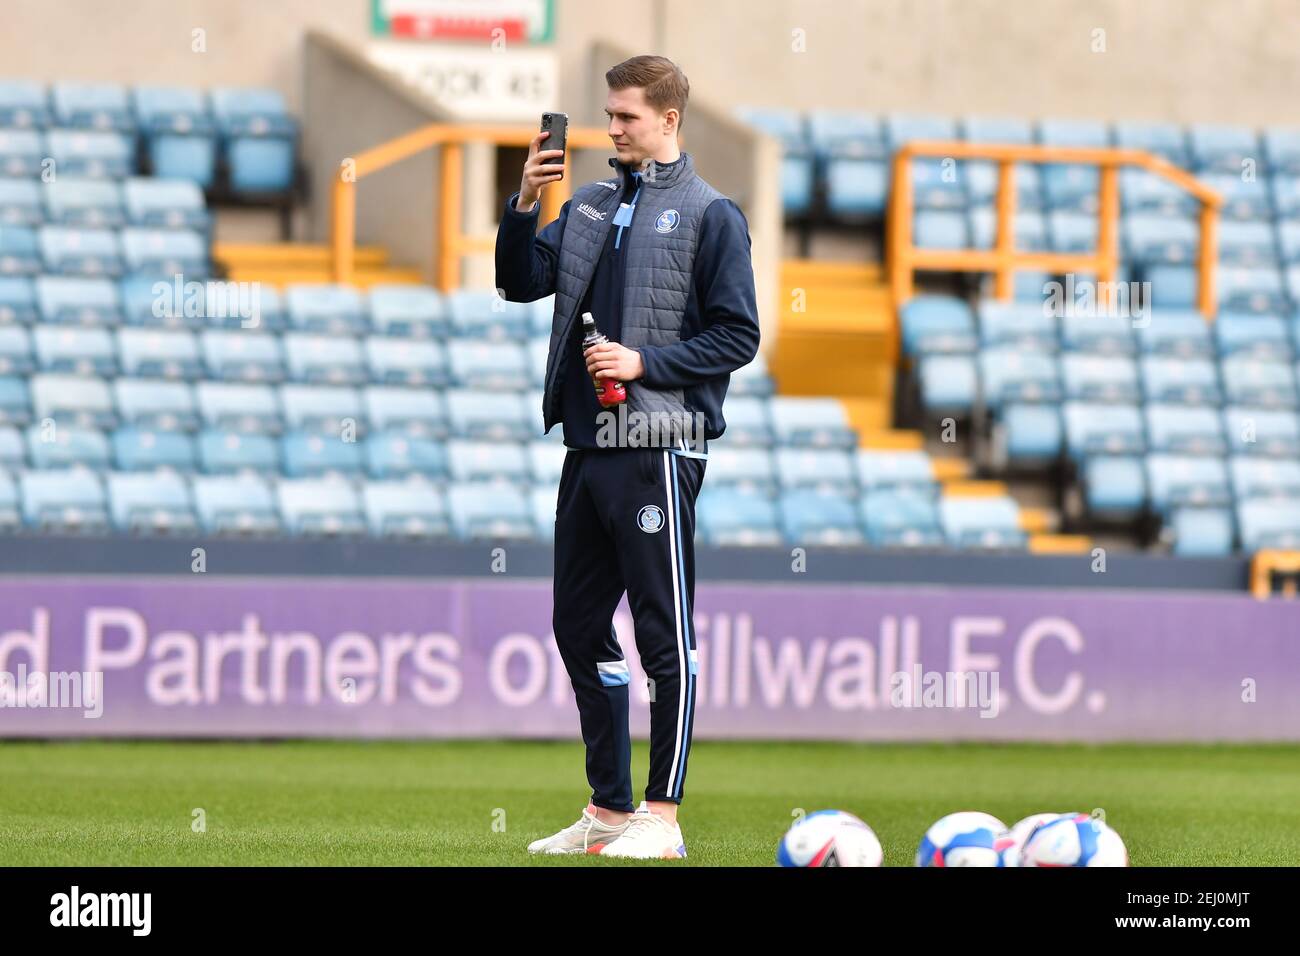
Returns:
(625, 520)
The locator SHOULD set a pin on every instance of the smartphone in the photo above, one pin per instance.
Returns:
(558, 125)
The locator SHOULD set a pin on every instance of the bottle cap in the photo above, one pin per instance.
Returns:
(587, 320)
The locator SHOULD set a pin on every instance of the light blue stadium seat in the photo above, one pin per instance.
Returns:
(15, 403)
(13, 448)
(405, 509)
(20, 251)
(246, 356)
(809, 516)
(949, 384)
(1163, 139)
(244, 306)
(1180, 381)
(157, 353)
(10, 511)
(1012, 375)
(731, 517)
(151, 403)
(141, 449)
(997, 129)
(236, 504)
(752, 378)
(746, 468)
(165, 204)
(538, 350)
(1177, 333)
(1019, 325)
(1288, 243)
(1266, 337)
(97, 106)
(811, 422)
(410, 311)
(938, 183)
(904, 127)
(327, 506)
(150, 302)
(825, 470)
(1255, 476)
(490, 415)
(785, 125)
(936, 323)
(1262, 431)
(1175, 481)
(63, 446)
(1286, 196)
(63, 500)
(88, 203)
(1101, 333)
(329, 409)
(67, 349)
(992, 522)
(850, 148)
(1071, 187)
(902, 518)
(1073, 132)
(797, 177)
(15, 351)
(544, 501)
(326, 308)
(1200, 532)
(1154, 238)
(1248, 243)
(941, 229)
(1243, 199)
(222, 452)
(472, 460)
(1030, 433)
(846, 133)
(476, 363)
(1149, 195)
(179, 132)
(1222, 148)
(748, 422)
(239, 406)
(1185, 429)
(100, 154)
(879, 469)
(541, 316)
(1282, 149)
(1251, 381)
(21, 203)
(72, 399)
(166, 252)
(413, 362)
(326, 359)
(1099, 378)
(151, 503)
(546, 461)
(482, 314)
(855, 187)
(258, 137)
(1092, 429)
(21, 152)
(72, 250)
(1173, 287)
(412, 411)
(1269, 523)
(1070, 232)
(982, 184)
(24, 104)
(490, 510)
(311, 453)
(1114, 486)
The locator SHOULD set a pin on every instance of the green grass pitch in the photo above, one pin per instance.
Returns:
(480, 803)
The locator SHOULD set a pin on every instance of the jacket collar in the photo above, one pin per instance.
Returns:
(666, 174)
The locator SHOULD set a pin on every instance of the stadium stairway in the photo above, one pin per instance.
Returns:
(280, 264)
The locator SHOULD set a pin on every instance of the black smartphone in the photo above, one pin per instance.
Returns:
(558, 125)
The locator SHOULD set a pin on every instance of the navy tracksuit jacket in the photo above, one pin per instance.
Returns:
(625, 517)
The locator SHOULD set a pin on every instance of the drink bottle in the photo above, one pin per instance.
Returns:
(608, 391)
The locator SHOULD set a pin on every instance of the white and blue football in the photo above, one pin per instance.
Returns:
(1074, 839)
(967, 838)
(829, 838)
(1011, 842)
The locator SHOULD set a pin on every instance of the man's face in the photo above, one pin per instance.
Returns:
(635, 127)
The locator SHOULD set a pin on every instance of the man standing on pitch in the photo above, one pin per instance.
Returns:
(661, 259)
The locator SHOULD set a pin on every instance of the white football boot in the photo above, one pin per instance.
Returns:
(648, 836)
(588, 835)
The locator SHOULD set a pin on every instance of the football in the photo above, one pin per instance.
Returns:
(967, 838)
(829, 838)
(1074, 839)
(1010, 843)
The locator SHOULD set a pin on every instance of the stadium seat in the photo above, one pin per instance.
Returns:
(982, 184)
(546, 461)
(1268, 523)
(179, 133)
(1102, 429)
(475, 363)
(258, 139)
(20, 251)
(1029, 434)
(22, 152)
(1264, 337)
(405, 509)
(1068, 232)
(469, 460)
(223, 452)
(1142, 192)
(326, 409)
(1179, 333)
(490, 510)
(489, 415)
(15, 403)
(15, 350)
(1185, 429)
(239, 406)
(327, 506)
(1012, 375)
(949, 384)
(332, 309)
(811, 422)
(412, 411)
(879, 470)
(24, 104)
(1251, 381)
(312, 453)
(482, 314)
(1152, 238)
(236, 504)
(156, 404)
(165, 252)
(829, 471)
(74, 250)
(66, 349)
(165, 204)
(936, 323)
(1178, 380)
(1201, 532)
(1262, 431)
(747, 420)
(1164, 139)
(67, 500)
(327, 359)
(544, 501)
(100, 155)
(53, 445)
(813, 517)
(1114, 486)
(1259, 477)
(901, 518)
(21, 203)
(751, 469)
(89, 203)
(1099, 378)
(1175, 481)
(157, 353)
(1101, 332)
(752, 379)
(72, 399)
(242, 356)
(1222, 148)
(97, 106)
(734, 517)
(413, 362)
(1017, 325)
(985, 522)
(142, 449)
(150, 502)
(415, 312)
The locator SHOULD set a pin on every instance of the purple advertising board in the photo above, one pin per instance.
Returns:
(476, 657)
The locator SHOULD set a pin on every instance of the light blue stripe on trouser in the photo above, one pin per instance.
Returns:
(686, 629)
(685, 452)
(613, 673)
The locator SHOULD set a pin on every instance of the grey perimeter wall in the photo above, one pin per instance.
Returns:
(53, 555)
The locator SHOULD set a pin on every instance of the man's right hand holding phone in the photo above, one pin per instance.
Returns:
(539, 169)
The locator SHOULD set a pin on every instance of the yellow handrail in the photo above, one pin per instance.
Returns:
(1004, 259)
(450, 139)
(1270, 561)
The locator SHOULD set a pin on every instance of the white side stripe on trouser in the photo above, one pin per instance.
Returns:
(682, 662)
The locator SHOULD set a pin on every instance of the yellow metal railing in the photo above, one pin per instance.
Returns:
(1270, 561)
(450, 139)
(1003, 260)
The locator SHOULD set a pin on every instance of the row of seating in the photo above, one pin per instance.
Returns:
(84, 251)
(92, 129)
(103, 203)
